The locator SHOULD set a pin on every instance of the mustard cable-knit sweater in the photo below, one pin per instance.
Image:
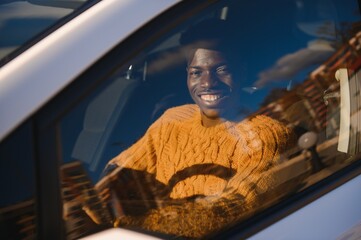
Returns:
(178, 142)
(218, 162)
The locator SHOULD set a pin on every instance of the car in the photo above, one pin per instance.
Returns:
(81, 81)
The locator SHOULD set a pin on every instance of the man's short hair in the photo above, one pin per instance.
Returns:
(214, 34)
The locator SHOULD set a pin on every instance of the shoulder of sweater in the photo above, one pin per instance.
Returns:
(265, 121)
(180, 113)
(175, 115)
(267, 124)
(262, 122)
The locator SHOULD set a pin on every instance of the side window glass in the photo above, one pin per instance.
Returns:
(21, 21)
(227, 114)
(18, 203)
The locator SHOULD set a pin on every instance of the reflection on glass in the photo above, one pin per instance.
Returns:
(183, 171)
(342, 76)
(83, 212)
(18, 215)
(21, 21)
(350, 128)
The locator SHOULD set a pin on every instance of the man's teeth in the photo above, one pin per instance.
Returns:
(210, 97)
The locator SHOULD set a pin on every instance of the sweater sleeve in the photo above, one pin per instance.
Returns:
(242, 197)
(253, 182)
(142, 154)
(190, 219)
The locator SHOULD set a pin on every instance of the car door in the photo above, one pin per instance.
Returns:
(300, 66)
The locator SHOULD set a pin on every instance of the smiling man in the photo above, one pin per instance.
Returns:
(205, 155)
(212, 87)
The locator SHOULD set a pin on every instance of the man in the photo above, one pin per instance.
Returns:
(207, 161)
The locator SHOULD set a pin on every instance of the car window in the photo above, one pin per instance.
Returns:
(18, 182)
(23, 21)
(134, 146)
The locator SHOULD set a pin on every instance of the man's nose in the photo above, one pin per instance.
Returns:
(209, 79)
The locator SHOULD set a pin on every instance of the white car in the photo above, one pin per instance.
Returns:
(81, 81)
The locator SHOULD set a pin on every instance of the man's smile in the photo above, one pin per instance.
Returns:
(212, 98)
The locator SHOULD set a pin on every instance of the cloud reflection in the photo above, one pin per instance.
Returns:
(289, 65)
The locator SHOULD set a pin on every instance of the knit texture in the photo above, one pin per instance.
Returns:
(219, 166)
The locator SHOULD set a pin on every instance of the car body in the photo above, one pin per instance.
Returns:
(64, 93)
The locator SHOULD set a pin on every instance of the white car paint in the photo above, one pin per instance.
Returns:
(118, 233)
(30, 80)
(326, 218)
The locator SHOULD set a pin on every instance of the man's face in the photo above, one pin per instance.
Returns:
(211, 84)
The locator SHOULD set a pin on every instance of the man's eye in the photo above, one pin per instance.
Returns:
(223, 71)
(195, 73)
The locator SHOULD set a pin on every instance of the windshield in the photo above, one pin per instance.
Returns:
(22, 21)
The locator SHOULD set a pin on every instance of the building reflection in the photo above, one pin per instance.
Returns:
(314, 105)
(18, 221)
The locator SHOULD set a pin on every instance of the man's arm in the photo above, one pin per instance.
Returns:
(253, 179)
(142, 154)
